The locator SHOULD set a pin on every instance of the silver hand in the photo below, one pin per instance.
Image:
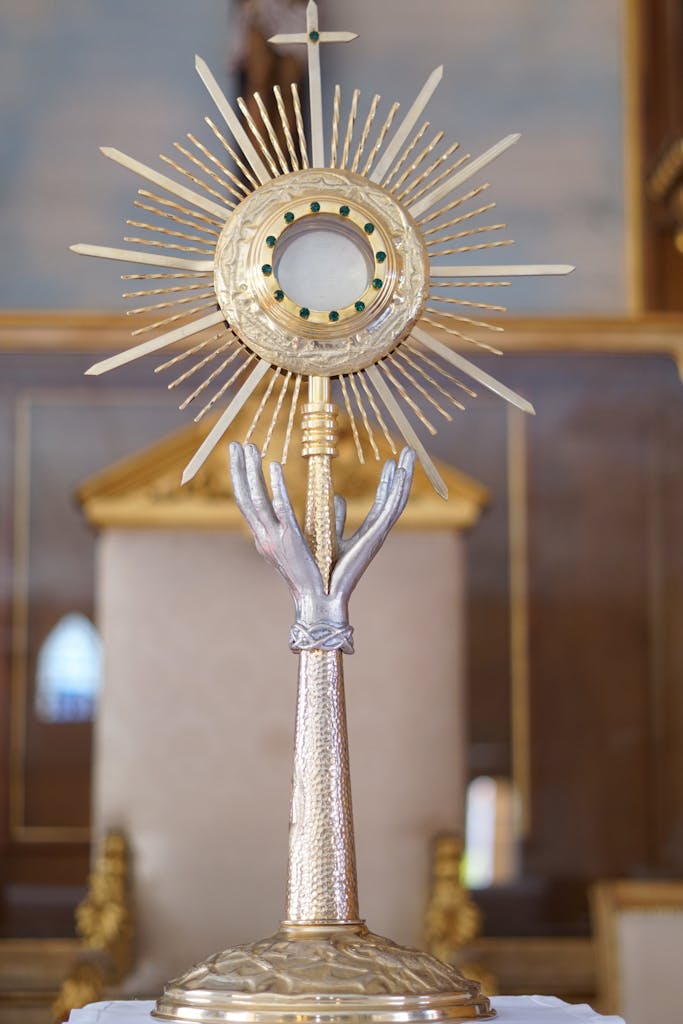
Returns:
(321, 619)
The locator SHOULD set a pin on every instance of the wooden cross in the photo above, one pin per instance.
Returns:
(313, 37)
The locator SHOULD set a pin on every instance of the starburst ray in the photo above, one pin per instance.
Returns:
(168, 304)
(185, 376)
(208, 381)
(133, 256)
(413, 166)
(468, 368)
(406, 429)
(421, 389)
(461, 219)
(402, 354)
(470, 284)
(238, 161)
(188, 353)
(435, 297)
(379, 141)
(440, 177)
(510, 270)
(378, 415)
(208, 171)
(481, 229)
(187, 276)
(410, 402)
(219, 164)
(168, 290)
(232, 120)
(367, 127)
(352, 421)
(194, 179)
(155, 344)
(172, 205)
(476, 165)
(454, 204)
(174, 187)
(428, 172)
(173, 319)
(407, 152)
(262, 404)
(276, 411)
(419, 353)
(224, 387)
(176, 247)
(364, 415)
(350, 124)
(464, 319)
(260, 141)
(336, 115)
(301, 134)
(456, 332)
(286, 127)
(405, 128)
(158, 229)
(176, 219)
(290, 420)
(272, 134)
(224, 421)
(472, 248)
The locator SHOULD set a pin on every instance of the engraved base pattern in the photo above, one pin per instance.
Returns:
(347, 974)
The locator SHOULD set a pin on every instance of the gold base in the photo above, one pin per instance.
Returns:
(317, 974)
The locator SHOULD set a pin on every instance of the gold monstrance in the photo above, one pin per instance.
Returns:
(278, 266)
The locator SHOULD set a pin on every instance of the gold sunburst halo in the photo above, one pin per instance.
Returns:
(219, 227)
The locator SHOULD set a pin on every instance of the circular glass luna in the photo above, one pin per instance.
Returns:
(323, 262)
(321, 272)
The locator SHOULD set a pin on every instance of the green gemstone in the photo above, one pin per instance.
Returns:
(344, 210)
(377, 283)
(368, 228)
(279, 295)
(304, 313)
(380, 256)
(360, 306)
(270, 241)
(315, 207)
(267, 269)
(314, 36)
(289, 216)
(333, 315)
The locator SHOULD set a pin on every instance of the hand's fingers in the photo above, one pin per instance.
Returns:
(238, 474)
(359, 553)
(339, 516)
(257, 487)
(282, 506)
(383, 487)
(407, 460)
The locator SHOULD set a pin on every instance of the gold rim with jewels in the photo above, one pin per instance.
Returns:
(301, 339)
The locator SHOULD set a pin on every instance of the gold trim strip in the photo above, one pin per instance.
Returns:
(520, 681)
(632, 113)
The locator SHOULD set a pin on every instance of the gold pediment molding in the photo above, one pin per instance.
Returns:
(143, 491)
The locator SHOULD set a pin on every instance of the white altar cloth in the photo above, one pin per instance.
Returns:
(510, 1009)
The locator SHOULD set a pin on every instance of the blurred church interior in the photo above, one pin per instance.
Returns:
(516, 700)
